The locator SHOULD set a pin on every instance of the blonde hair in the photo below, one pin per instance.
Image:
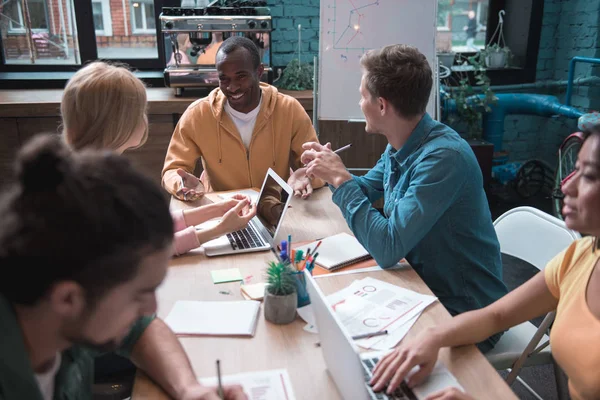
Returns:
(102, 106)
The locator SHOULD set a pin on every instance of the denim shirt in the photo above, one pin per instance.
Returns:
(75, 376)
(436, 216)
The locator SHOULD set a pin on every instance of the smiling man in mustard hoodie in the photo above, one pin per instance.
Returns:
(243, 128)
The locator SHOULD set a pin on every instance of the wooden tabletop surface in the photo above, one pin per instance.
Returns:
(289, 346)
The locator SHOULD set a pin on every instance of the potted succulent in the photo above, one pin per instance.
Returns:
(281, 300)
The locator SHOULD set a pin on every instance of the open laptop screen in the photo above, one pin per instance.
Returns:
(271, 203)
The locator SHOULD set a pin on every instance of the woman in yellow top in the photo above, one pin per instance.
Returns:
(569, 284)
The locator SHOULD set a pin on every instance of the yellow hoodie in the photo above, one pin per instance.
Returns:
(205, 131)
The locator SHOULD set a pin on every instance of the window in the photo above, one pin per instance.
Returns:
(37, 15)
(102, 17)
(135, 40)
(67, 33)
(461, 25)
(142, 15)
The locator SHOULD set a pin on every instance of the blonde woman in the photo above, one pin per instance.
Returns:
(570, 284)
(104, 106)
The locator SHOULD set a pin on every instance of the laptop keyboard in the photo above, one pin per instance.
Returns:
(402, 393)
(246, 238)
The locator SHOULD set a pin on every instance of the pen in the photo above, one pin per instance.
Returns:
(368, 335)
(290, 246)
(276, 255)
(220, 387)
(316, 247)
(346, 147)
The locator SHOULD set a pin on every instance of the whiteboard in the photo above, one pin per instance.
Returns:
(349, 28)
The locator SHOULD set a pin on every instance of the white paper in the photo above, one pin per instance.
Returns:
(262, 385)
(360, 270)
(440, 378)
(370, 305)
(253, 194)
(394, 336)
(219, 318)
(311, 328)
(306, 313)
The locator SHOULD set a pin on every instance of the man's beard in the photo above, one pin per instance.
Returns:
(74, 336)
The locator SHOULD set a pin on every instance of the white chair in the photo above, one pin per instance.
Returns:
(535, 237)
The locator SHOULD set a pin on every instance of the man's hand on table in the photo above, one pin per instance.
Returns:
(321, 162)
(300, 183)
(192, 188)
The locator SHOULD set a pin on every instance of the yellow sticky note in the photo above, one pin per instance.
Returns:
(226, 275)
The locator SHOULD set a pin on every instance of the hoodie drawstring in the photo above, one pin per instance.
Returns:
(272, 141)
(219, 140)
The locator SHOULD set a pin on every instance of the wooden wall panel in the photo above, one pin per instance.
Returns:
(366, 148)
(29, 127)
(151, 156)
(8, 148)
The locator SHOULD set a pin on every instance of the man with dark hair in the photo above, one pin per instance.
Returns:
(435, 212)
(85, 240)
(243, 128)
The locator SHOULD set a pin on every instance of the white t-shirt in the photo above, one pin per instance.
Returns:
(244, 122)
(46, 379)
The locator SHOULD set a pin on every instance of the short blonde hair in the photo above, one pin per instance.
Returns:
(102, 106)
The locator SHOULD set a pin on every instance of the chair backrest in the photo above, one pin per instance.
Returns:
(532, 235)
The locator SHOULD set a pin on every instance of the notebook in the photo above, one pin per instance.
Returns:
(337, 251)
(215, 318)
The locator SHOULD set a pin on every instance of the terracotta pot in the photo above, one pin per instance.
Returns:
(280, 309)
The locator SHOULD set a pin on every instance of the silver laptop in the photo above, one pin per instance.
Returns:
(273, 201)
(350, 370)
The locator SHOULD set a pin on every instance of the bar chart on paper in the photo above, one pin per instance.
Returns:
(349, 28)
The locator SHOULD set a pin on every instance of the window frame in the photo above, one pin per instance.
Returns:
(106, 18)
(82, 12)
(134, 29)
(20, 31)
(514, 32)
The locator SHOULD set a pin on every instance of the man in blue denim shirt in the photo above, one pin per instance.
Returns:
(435, 211)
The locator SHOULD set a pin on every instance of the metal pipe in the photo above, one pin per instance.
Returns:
(588, 80)
(61, 15)
(511, 103)
(572, 64)
(28, 32)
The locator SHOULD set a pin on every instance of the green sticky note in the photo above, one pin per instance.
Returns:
(226, 275)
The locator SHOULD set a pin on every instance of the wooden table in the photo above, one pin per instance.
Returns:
(289, 346)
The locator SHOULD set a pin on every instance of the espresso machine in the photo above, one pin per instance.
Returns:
(193, 36)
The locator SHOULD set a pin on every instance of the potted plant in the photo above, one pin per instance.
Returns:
(471, 97)
(495, 56)
(281, 300)
(296, 76)
(471, 100)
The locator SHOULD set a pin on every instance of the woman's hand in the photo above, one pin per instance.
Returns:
(228, 204)
(237, 217)
(395, 366)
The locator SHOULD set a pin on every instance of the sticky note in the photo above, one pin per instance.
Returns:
(226, 275)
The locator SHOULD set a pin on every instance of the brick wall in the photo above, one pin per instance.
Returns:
(287, 15)
(569, 29)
